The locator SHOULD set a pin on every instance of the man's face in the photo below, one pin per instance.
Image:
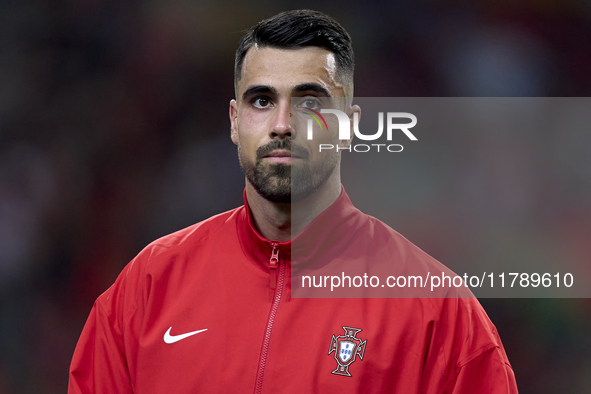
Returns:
(278, 160)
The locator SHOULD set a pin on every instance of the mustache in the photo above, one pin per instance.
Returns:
(285, 144)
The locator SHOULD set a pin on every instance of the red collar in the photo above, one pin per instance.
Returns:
(330, 232)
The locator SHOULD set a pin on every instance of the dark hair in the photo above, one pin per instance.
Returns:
(300, 28)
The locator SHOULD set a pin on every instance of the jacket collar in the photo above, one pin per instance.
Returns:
(331, 231)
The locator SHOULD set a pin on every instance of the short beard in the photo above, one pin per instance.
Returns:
(283, 183)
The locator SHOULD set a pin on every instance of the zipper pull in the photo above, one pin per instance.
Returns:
(274, 264)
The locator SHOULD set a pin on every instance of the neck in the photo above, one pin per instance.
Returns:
(284, 221)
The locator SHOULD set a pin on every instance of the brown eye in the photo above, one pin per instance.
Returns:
(261, 102)
(311, 104)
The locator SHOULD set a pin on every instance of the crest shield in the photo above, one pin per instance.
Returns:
(346, 348)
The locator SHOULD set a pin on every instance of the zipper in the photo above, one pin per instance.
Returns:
(274, 263)
(277, 279)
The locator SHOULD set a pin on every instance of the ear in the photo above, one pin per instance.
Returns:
(234, 121)
(351, 111)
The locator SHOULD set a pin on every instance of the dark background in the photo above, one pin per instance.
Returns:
(114, 131)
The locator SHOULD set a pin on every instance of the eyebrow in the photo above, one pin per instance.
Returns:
(304, 87)
(314, 87)
(258, 89)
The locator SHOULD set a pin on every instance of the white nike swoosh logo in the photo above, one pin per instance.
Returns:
(175, 338)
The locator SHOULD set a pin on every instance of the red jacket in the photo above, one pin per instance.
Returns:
(213, 280)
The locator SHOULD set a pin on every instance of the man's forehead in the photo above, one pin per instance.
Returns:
(285, 68)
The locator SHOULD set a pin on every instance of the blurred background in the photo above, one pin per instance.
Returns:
(114, 131)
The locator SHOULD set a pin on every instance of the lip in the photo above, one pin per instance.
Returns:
(281, 154)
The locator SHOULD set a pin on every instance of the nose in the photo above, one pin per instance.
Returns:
(282, 122)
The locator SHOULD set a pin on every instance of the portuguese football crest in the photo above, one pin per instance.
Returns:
(346, 348)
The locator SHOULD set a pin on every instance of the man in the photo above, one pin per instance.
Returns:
(209, 308)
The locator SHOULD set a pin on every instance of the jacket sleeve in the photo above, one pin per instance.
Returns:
(473, 359)
(99, 364)
(488, 373)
